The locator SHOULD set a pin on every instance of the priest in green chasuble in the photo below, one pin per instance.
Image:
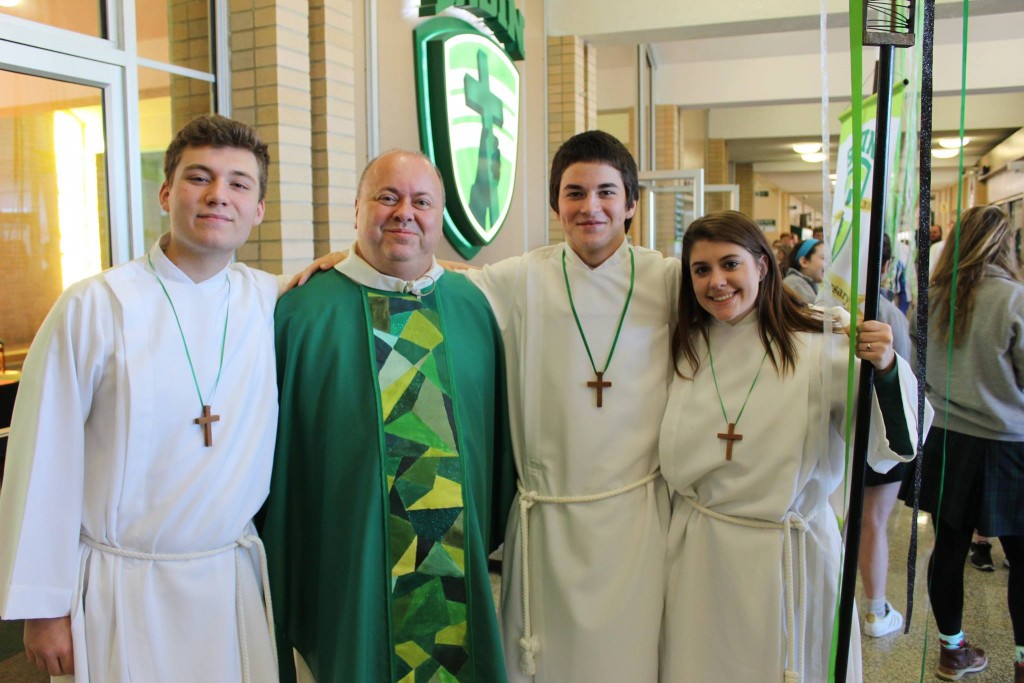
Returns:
(393, 473)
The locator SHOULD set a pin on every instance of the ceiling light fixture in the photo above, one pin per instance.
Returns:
(807, 147)
(813, 158)
(954, 143)
(940, 153)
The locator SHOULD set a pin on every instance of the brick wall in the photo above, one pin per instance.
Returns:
(332, 77)
(745, 179)
(693, 131)
(188, 25)
(31, 275)
(716, 172)
(666, 157)
(271, 89)
(572, 99)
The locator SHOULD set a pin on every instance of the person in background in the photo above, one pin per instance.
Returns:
(806, 270)
(975, 453)
(880, 492)
(782, 253)
(935, 250)
(981, 554)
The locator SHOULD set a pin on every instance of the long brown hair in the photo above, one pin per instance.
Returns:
(986, 239)
(780, 313)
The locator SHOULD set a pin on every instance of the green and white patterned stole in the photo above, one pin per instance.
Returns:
(424, 481)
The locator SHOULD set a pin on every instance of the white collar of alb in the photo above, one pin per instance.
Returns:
(169, 270)
(356, 268)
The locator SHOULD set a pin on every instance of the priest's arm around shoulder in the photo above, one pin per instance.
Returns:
(139, 444)
(393, 473)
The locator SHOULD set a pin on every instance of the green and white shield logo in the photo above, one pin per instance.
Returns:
(469, 126)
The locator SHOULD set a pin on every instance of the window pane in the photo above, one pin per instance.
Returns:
(166, 103)
(53, 198)
(81, 16)
(175, 31)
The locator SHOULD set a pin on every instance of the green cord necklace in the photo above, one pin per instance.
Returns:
(599, 384)
(205, 420)
(731, 436)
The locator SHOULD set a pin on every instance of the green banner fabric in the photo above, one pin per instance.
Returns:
(840, 275)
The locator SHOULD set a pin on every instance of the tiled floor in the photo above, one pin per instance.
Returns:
(892, 659)
(986, 620)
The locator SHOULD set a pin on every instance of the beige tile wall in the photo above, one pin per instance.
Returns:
(572, 99)
(332, 78)
(744, 177)
(716, 171)
(666, 157)
(272, 89)
(189, 45)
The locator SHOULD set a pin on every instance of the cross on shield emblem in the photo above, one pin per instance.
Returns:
(468, 91)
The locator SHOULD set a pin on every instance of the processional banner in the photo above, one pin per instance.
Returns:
(840, 274)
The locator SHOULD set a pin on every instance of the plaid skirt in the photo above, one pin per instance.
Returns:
(982, 486)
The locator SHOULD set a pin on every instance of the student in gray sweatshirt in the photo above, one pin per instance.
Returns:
(975, 450)
(806, 269)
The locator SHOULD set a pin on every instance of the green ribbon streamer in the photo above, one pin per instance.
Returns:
(956, 255)
(622, 318)
(952, 298)
(857, 114)
(188, 356)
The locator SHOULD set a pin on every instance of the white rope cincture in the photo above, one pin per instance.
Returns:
(791, 522)
(529, 644)
(246, 542)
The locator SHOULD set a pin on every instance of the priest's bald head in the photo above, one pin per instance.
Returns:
(399, 213)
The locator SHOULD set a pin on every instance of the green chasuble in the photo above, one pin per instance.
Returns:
(393, 479)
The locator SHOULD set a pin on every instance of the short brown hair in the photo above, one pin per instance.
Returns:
(214, 130)
(598, 147)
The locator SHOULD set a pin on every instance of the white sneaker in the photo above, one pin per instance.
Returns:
(876, 626)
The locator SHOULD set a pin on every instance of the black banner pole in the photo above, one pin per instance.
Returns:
(879, 195)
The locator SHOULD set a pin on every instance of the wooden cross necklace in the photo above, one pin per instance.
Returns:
(600, 384)
(731, 436)
(207, 419)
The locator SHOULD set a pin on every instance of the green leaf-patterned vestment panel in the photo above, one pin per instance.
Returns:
(425, 478)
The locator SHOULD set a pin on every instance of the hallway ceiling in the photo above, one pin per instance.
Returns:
(756, 68)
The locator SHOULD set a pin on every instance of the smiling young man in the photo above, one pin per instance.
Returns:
(393, 470)
(141, 445)
(586, 330)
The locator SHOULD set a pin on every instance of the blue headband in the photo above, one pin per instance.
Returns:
(805, 249)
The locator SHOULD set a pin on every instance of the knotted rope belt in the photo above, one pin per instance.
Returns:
(244, 542)
(529, 645)
(791, 522)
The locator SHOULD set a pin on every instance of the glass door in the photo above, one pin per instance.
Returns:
(669, 202)
(62, 185)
